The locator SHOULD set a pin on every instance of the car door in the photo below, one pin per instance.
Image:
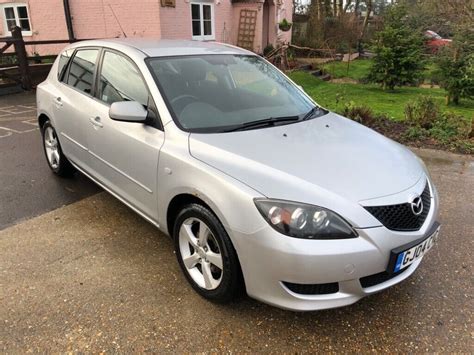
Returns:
(72, 105)
(124, 155)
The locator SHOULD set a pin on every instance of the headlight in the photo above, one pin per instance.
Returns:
(300, 220)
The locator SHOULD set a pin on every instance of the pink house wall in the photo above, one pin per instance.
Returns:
(46, 23)
(140, 18)
(285, 10)
(280, 10)
(104, 18)
(176, 22)
(91, 19)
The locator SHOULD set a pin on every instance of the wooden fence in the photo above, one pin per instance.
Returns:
(16, 68)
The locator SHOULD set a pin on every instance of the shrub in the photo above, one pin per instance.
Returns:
(456, 67)
(423, 112)
(268, 49)
(398, 53)
(359, 113)
(415, 133)
(451, 126)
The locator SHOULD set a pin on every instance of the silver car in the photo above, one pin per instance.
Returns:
(262, 190)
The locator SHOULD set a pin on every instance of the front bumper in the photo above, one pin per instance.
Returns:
(271, 260)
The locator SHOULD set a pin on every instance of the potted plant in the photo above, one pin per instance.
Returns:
(284, 25)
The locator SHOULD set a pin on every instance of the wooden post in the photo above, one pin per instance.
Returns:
(22, 58)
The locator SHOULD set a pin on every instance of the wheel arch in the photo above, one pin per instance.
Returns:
(42, 119)
(178, 202)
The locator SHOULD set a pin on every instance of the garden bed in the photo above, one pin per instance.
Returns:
(388, 108)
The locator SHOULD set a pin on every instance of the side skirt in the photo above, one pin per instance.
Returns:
(133, 208)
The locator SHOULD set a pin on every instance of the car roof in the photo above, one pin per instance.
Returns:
(165, 48)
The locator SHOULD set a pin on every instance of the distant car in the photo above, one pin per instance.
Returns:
(434, 41)
(261, 189)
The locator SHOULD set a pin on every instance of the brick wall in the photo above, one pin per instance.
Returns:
(176, 22)
(138, 18)
(47, 22)
(104, 18)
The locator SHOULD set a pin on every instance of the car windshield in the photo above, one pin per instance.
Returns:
(218, 93)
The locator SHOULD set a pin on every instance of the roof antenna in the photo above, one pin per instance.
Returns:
(118, 22)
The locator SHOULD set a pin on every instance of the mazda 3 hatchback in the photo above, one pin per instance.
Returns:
(262, 190)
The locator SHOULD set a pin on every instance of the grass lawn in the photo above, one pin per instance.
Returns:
(359, 69)
(334, 95)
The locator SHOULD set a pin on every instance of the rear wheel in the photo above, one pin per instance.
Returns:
(57, 161)
(206, 255)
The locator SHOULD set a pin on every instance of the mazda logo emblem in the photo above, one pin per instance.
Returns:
(416, 205)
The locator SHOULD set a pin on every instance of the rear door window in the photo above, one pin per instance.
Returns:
(81, 71)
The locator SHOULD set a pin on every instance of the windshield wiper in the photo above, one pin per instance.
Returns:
(267, 122)
(312, 113)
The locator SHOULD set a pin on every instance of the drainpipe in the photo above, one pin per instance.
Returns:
(67, 15)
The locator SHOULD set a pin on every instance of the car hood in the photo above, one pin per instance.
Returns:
(328, 154)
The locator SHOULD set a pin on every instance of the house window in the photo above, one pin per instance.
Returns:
(202, 17)
(16, 15)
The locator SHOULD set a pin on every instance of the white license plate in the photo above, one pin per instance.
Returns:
(409, 256)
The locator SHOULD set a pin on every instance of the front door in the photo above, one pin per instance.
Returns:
(124, 155)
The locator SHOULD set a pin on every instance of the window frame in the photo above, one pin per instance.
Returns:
(94, 75)
(61, 74)
(15, 7)
(99, 72)
(152, 121)
(201, 5)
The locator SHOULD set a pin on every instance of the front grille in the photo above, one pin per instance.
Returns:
(375, 279)
(401, 217)
(313, 289)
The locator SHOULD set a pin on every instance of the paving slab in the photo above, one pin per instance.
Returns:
(94, 277)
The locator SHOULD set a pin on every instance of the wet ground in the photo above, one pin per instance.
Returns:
(93, 276)
(28, 188)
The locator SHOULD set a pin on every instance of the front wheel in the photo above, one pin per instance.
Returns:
(57, 161)
(206, 255)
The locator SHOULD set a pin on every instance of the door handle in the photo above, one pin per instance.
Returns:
(58, 101)
(96, 121)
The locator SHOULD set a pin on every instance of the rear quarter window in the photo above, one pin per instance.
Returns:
(64, 58)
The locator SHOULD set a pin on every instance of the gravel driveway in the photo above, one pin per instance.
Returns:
(93, 276)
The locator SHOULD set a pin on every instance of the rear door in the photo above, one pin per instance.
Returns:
(72, 105)
(124, 155)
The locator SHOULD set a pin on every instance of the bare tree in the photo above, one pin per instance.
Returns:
(369, 4)
(356, 7)
(339, 8)
(320, 9)
(346, 7)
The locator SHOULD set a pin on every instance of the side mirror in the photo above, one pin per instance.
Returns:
(128, 111)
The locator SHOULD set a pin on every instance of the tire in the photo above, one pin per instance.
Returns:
(55, 158)
(221, 285)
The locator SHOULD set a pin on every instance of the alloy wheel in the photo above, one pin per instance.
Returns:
(51, 147)
(200, 253)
